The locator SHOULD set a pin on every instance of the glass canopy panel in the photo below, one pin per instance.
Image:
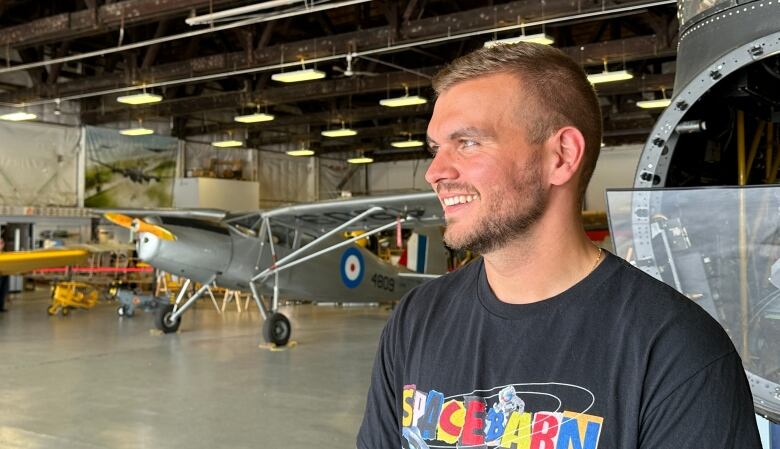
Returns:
(720, 247)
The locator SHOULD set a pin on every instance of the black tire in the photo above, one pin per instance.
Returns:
(163, 321)
(276, 329)
(120, 310)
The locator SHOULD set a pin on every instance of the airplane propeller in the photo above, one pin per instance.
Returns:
(137, 225)
(119, 219)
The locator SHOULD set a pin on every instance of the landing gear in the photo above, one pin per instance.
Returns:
(276, 329)
(164, 322)
(125, 311)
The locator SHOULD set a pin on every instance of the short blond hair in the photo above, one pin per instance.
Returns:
(556, 87)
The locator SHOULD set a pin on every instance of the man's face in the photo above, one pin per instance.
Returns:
(488, 177)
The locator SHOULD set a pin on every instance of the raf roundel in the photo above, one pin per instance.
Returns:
(352, 267)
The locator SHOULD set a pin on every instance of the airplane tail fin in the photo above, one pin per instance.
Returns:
(425, 251)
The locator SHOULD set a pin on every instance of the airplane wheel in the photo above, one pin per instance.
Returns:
(276, 329)
(164, 322)
(51, 310)
(120, 310)
(65, 311)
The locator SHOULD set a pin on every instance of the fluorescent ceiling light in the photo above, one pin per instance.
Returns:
(540, 38)
(406, 100)
(227, 143)
(407, 143)
(360, 160)
(301, 152)
(142, 98)
(254, 118)
(650, 104)
(298, 75)
(608, 77)
(140, 131)
(341, 132)
(18, 116)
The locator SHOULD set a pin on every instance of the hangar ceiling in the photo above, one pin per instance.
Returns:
(91, 51)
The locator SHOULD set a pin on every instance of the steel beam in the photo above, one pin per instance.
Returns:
(90, 22)
(641, 47)
(376, 38)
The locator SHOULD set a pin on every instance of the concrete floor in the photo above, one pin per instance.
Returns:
(93, 380)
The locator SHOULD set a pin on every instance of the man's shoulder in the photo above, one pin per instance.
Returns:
(644, 291)
(666, 317)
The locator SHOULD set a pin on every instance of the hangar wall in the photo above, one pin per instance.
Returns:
(389, 177)
(42, 165)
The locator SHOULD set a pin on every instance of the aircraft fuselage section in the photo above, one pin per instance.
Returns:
(195, 254)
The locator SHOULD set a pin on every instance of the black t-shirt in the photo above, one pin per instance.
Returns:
(618, 361)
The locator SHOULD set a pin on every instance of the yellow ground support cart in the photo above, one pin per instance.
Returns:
(69, 295)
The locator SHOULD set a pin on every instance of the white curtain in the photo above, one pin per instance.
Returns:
(284, 179)
(39, 164)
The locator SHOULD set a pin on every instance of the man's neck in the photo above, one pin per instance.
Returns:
(547, 261)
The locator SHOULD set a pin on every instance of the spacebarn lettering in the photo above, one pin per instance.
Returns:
(430, 418)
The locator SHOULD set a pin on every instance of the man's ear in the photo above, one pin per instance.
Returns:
(567, 147)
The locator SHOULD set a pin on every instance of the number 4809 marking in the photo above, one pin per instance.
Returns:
(383, 282)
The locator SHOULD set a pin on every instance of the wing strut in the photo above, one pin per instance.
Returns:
(293, 258)
(178, 311)
(264, 274)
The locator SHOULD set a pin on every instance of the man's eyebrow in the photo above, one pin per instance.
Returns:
(470, 132)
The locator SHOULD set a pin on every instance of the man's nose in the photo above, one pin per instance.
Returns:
(442, 168)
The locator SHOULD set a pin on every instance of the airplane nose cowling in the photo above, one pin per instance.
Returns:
(148, 246)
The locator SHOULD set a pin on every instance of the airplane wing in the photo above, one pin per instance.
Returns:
(17, 262)
(197, 214)
(423, 208)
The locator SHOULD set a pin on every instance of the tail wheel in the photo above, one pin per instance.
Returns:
(52, 310)
(164, 321)
(276, 329)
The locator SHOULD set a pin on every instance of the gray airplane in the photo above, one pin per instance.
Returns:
(295, 252)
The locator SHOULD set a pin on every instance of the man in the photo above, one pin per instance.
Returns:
(599, 354)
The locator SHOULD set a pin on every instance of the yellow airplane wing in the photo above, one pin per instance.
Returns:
(16, 262)
(23, 261)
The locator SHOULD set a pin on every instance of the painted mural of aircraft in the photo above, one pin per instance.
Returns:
(136, 174)
(273, 253)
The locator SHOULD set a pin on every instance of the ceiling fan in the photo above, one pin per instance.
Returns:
(349, 72)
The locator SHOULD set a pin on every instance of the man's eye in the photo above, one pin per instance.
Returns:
(433, 149)
(468, 143)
